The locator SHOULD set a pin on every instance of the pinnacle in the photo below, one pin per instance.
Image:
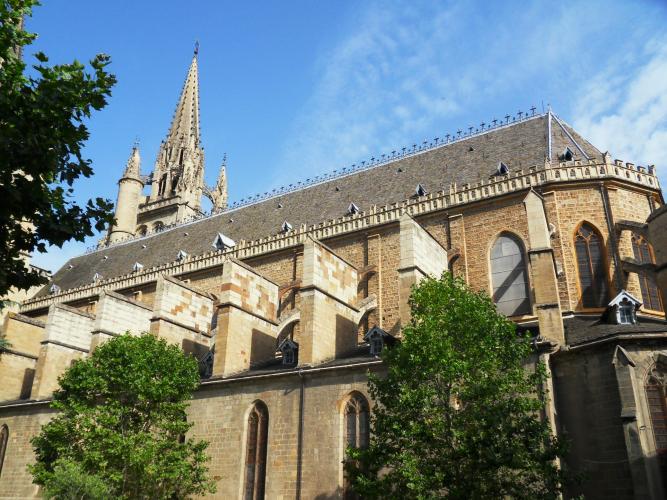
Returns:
(133, 165)
(185, 124)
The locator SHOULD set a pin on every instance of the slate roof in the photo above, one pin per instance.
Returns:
(520, 145)
(582, 329)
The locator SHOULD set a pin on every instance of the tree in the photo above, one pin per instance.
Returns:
(457, 414)
(122, 420)
(42, 134)
(70, 481)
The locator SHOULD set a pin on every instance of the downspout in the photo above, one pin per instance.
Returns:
(612, 237)
(299, 451)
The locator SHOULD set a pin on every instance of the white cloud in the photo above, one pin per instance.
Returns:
(408, 69)
(624, 108)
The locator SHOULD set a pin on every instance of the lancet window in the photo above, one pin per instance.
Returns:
(644, 255)
(591, 265)
(256, 445)
(357, 430)
(509, 276)
(4, 439)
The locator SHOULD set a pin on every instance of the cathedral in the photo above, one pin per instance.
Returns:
(287, 298)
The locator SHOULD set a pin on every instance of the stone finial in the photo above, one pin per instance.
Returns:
(219, 193)
(133, 165)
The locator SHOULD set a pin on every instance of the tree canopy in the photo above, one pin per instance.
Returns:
(121, 424)
(43, 115)
(459, 412)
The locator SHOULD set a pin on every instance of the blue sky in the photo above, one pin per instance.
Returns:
(295, 88)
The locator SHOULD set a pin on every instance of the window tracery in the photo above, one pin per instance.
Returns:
(509, 277)
(644, 255)
(590, 263)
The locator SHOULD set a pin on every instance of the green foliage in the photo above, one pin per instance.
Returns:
(70, 481)
(458, 413)
(43, 116)
(4, 343)
(122, 418)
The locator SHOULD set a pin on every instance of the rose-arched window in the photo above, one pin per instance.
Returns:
(509, 276)
(643, 255)
(656, 395)
(256, 444)
(591, 266)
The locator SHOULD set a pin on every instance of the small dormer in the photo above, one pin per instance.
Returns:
(290, 352)
(137, 267)
(97, 277)
(181, 255)
(286, 227)
(352, 209)
(622, 310)
(377, 338)
(420, 190)
(222, 242)
(502, 169)
(567, 155)
(54, 289)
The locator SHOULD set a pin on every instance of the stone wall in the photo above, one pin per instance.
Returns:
(117, 314)
(67, 338)
(23, 423)
(589, 416)
(327, 306)
(657, 231)
(220, 411)
(246, 319)
(181, 313)
(420, 256)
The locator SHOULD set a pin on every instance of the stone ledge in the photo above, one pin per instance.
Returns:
(26, 319)
(122, 297)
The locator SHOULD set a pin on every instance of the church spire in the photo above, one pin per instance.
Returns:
(185, 124)
(179, 169)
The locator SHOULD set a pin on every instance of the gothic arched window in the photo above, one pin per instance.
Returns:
(509, 277)
(357, 429)
(656, 395)
(643, 255)
(4, 439)
(591, 265)
(256, 444)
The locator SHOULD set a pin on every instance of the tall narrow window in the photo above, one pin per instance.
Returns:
(644, 255)
(656, 394)
(356, 424)
(255, 463)
(4, 438)
(590, 262)
(509, 277)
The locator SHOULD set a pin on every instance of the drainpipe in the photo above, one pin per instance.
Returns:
(299, 451)
(612, 237)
